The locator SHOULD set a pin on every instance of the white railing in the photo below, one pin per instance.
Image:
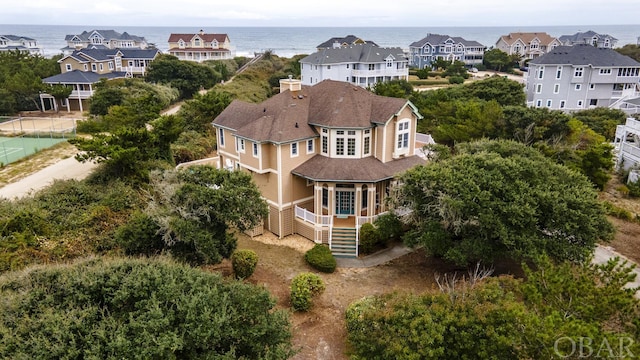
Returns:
(628, 149)
(312, 218)
(633, 123)
(81, 94)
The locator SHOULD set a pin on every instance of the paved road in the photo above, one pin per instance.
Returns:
(65, 169)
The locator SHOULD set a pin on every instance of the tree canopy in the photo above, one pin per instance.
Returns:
(186, 76)
(497, 199)
(21, 77)
(196, 207)
(137, 309)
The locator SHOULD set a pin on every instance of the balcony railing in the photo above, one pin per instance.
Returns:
(81, 94)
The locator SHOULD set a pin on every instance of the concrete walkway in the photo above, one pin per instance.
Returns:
(604, 253)
(376, 259)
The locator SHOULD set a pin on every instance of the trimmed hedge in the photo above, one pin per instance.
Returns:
(304, 287)
(244, 263)
(321, 258)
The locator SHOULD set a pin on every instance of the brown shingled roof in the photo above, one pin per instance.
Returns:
(329, 103)
(368, 169)
(528, 37)
(205, 37)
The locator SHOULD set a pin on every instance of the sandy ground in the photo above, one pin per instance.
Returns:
(69, 168)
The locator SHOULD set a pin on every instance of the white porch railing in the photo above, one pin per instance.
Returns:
(81, 94)
(312, 218)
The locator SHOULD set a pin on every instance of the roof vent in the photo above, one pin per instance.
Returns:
(296, 124)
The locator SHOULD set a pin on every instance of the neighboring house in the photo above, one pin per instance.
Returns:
(323, 156)
(20, 43)
(434, 46)
(589, 37)
(336, 42)
(103, 39)
(83, 68)
(527, 45)
(582, 76)
(361, 64)
(134, 62)
(627, 145)
(200, 46)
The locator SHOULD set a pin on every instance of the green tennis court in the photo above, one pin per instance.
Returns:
(15, 148)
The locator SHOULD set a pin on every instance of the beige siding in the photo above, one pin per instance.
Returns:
(269, 156)
(247, 157)
(274, 220)
(268, 185)
(287, 221)
(294, 188)
(305, 229)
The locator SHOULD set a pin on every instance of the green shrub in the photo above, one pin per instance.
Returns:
(304, 287)
(139, 236)
(321, 258)
(618, 212)
(456, 79)
(633, 189)
(369, 238)
(244, 263)
(389, 227)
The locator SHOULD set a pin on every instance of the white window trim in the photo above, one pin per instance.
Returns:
(313, 148)
(221, 137)
(293, 149)
(68, 67)
(256, 149)
(399, 145)
(240, 147)
(578, 87)
(556, 88)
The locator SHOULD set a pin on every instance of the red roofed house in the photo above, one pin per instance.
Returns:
(324, 156)
(200, 47)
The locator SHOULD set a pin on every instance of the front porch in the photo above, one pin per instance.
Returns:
(340, 232)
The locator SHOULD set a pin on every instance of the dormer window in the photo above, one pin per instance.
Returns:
(196, 42)
(181, 44)
(214, 44)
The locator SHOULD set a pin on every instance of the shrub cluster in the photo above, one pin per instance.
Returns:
(304, 287)
(384, 229)
(321, 258)
(244, 263)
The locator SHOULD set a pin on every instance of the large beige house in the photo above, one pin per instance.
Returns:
(82, 69)
(529, 45)
(324, 156)
(200, 46)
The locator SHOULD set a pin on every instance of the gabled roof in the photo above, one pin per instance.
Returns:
(584, 54)
(368, 169)
(359, 53)
(81, 77)
(108, 35)
(287, 116)
(16, 38)
(203, 36)
(528, 37)
(90, 54)
(584, 37)
(347, 40)
(437, 39)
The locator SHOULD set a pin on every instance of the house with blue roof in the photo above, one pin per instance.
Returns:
(20, 43)
(451, 48)
(82, 69)
(591, 38)
(103, 39)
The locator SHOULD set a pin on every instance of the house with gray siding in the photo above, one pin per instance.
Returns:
(360, 64)
(589, 37)
(102, 39)
(434, 46)
(336, 42)
(578, 77)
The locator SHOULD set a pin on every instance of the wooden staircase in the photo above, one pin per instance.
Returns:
(343, 242)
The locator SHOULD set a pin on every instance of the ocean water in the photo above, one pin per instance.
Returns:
(290, 41)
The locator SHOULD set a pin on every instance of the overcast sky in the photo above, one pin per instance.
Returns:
(342, 13)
